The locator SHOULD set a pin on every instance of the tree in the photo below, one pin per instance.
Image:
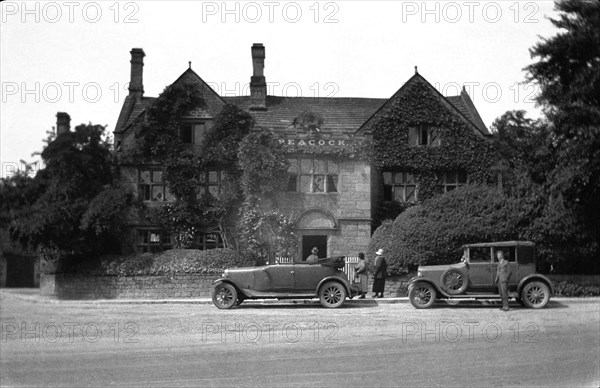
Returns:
(530, 156)
(524, 145)
(568, 74)
(47, 211)
(568, 67)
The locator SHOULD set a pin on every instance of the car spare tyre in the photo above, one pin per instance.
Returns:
(454, 281)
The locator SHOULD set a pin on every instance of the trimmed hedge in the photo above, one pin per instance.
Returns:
(174, 261)
(433, 232)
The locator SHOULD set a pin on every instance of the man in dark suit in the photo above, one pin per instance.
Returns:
(380, 274)
(502, 275)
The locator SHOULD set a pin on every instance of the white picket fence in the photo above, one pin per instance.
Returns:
(351, 261)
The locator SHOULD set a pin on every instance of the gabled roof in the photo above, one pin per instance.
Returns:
(133, 108)
(214, 102)
(340, 114)
(465, 105)
(458, 105)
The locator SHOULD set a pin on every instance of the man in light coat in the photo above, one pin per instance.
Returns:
(503, 273)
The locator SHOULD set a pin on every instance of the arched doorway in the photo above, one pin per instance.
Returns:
(314, 228)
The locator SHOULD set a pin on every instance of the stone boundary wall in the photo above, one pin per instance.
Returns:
(70, 286)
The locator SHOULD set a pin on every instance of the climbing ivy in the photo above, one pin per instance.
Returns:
(462, 149)
(264, 232)
(263, 163)
(185, 167)
(157, 131)
(251, 164)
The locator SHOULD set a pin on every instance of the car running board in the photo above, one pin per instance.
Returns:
(483, 296)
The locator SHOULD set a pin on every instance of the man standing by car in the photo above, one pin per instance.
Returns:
(502, 275)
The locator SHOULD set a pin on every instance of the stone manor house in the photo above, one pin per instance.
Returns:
(332, 199)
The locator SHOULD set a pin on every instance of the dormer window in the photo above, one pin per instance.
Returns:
(424, 135)
(186, 134)
(192, 133)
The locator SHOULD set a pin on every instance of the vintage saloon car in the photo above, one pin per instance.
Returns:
(300, 280)
(474, 276)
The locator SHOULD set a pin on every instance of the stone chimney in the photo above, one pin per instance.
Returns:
(258, 84)
(63, 123)
(136, 82)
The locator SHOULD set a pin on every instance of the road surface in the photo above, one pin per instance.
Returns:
(141, 345)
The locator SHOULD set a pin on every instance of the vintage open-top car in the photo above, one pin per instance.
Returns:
(299, 280)
(474, 276)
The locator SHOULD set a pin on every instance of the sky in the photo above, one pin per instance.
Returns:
(74, 56)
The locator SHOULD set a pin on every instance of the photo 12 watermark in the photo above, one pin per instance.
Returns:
(452, 331)
(491, 91)
(53, 12)
(11, 168)
(94, 92)
(470, 11)
(270, 332)
(60, 92)
(270, 11)
(281, 89)
(53, 332)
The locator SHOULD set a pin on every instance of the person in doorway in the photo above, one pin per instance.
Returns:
(380, 273)
(503, 273)
(361, 275)
(314, 256)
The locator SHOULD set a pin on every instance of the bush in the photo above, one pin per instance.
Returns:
(566, 288)
(171, 262)
(433, 232)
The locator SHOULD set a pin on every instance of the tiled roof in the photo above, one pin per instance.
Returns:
(131, 110)
(339, 114)
(465, 106)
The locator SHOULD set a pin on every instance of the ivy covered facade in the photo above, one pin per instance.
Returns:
(348, 162)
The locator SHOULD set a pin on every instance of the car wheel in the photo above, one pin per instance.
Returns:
(224, 296)
(332, 295)
(421, 295)
(454, 281)
(535, 294)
